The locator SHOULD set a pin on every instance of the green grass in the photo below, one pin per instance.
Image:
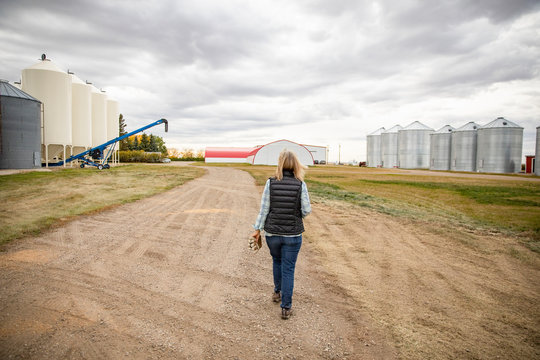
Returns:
(507, 204)
(34, 201)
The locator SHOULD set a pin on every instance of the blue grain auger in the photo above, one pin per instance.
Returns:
(89, 157)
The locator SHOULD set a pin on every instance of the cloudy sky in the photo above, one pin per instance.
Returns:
(320, 72)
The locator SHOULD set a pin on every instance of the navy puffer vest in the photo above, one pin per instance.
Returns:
(285, 215)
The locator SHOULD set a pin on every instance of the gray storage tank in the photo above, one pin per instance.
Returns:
(500, 144)
(374, 156)
(537, 155)
(414, 146)
(440, 148)
(464, 143)
(389, 147)
(20, 129)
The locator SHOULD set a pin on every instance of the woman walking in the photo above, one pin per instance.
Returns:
(284, 203)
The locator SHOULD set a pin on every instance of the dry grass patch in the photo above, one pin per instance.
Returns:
(33, 201)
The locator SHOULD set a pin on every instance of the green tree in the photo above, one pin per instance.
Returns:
(136, 145)
(122, 131)
(153, 144)
(145, 142)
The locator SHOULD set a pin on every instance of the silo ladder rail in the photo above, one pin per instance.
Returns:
(96, 153)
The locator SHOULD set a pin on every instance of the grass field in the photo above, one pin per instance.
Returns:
(511, 206)
(31, 202)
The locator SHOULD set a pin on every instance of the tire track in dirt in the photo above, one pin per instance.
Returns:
(171, 277)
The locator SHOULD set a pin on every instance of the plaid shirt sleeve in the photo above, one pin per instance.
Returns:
(265, 207)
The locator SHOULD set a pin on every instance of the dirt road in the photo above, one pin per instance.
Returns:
(171, 277)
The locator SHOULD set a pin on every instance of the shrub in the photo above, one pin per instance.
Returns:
(140, 156)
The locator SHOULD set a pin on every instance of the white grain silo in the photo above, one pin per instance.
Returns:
(499, 145)
(99, 117)
(414, 146)
(537, 155)
(464, 144)
(112, 124)
(389, 147)
(52, 86)
(440, 148)
(374, 155)
(81, 114)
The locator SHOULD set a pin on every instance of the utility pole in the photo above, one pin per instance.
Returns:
(339, 155)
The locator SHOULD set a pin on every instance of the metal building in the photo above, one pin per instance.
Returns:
(52, 86)
(374, 154)
(440, 148)
(389, 147)
(537, 155)
(464, 144)
(499, 147)
(414, 146)
(268, 154)
(20, 129)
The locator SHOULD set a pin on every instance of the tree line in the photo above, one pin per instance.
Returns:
(144, 142)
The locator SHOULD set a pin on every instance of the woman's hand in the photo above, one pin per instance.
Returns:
(256, 234)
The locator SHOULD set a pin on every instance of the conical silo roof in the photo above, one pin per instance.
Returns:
(470, 126)
(446, 129)
(417, 125)
(393, 129)
(377, 132)
(501, 122)
(6, 89)
(45, 65)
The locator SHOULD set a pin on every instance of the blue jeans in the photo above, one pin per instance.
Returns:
(284, 251)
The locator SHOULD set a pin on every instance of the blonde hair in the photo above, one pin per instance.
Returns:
(289, 161)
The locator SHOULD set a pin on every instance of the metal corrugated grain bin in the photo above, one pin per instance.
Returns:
(389, 147)
(414, 146)
(20, 129)
(440, 148)
(537, 155)
(463, 152)
(374, 155)
(500, 145)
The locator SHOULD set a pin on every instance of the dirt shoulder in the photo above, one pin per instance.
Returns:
(171, 277)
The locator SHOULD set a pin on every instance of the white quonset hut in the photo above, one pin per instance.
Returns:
(413, 145)
(389, 147)
(318, 153)
(537, 155)
(52, 86)
(374, 154)
(441, 148)
(464, 144)
(499, 147)
(268, 154)
(81, 115)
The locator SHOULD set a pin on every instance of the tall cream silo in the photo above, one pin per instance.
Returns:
(81, 114)
(463, 152)
(112, 124)
(52, 86)
(99, 117)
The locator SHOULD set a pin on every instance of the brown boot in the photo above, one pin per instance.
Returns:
(276, 297)
(286, 313)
